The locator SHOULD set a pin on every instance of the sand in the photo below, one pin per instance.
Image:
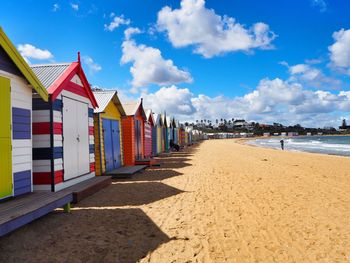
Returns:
(218, 202)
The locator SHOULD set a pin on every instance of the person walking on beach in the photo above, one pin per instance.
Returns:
(282, 144)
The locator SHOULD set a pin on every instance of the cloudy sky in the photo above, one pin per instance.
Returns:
(265, 61)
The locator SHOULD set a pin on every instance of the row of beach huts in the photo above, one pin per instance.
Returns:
(57, 132)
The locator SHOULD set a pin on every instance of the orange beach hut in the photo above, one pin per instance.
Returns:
(133, 132)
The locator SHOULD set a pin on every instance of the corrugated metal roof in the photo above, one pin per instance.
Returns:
(103, 98)
(49, 73)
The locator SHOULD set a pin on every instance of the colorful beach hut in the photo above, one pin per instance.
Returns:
(159, 129)
(182, 140)
(165, 133)
(169, 131)
(133, 132)
(17, 83)
(63, 128)
(150, 135)
(174, 131)
(108, 131)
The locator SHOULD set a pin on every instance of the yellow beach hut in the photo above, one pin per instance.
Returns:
(108, 131)
(17, 84)
(159, 127)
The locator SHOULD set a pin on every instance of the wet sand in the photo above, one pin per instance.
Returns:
(220, 201)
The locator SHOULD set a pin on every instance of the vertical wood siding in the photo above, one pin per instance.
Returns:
(128, 140)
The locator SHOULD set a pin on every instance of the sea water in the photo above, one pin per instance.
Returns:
(336, 145)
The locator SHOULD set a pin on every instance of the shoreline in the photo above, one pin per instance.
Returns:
(246, 140)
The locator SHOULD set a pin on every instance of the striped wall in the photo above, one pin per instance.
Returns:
(147, 139)
(42, 150)
(21, 100)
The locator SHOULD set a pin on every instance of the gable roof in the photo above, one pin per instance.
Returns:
(131, 108)
(173, 121)
(22, 65)
(158, 119)
(48, 73)
(164, 120)
(57, 75)
(103, 98)
(149, 116)
(168, 122)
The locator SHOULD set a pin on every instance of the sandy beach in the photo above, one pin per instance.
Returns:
(220, 201)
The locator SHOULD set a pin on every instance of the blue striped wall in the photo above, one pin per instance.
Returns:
(92, 148)
(46, 153)
(22, 182)
(39, 104)
(21, 124)
(91, 113)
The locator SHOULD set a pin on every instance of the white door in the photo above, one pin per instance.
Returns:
(75, 138)
(83, 135)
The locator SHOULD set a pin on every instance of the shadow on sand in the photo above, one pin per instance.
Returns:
(152, 174)
(87, 235)
(130, 194)
(99, 229)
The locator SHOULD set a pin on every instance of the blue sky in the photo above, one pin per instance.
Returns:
(266, 61)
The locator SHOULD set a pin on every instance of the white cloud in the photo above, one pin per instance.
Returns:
(92, 66)
(172, 100)
(277, 101)
(148, 65)
(311, 76)
(129, 32)
(340, 51)
(273, 100)
(55, 7)
(321, 4)
(75, 7)
(29, 51)
(116, 22)
(211, 34)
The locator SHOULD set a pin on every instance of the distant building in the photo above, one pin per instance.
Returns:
(344, 126)
(242, 124)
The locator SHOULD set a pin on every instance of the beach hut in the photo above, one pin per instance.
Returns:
(175, 131)
(189, 130)
(182, 136)
(171, 129)
(63, 128)
(148, 134)
(165, 133)
(159, 128)
(17, 83)
(133, 132)
(107, 130)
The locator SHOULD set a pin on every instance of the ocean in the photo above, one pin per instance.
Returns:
(335, 145)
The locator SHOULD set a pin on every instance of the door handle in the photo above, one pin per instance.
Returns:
(78, 138)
